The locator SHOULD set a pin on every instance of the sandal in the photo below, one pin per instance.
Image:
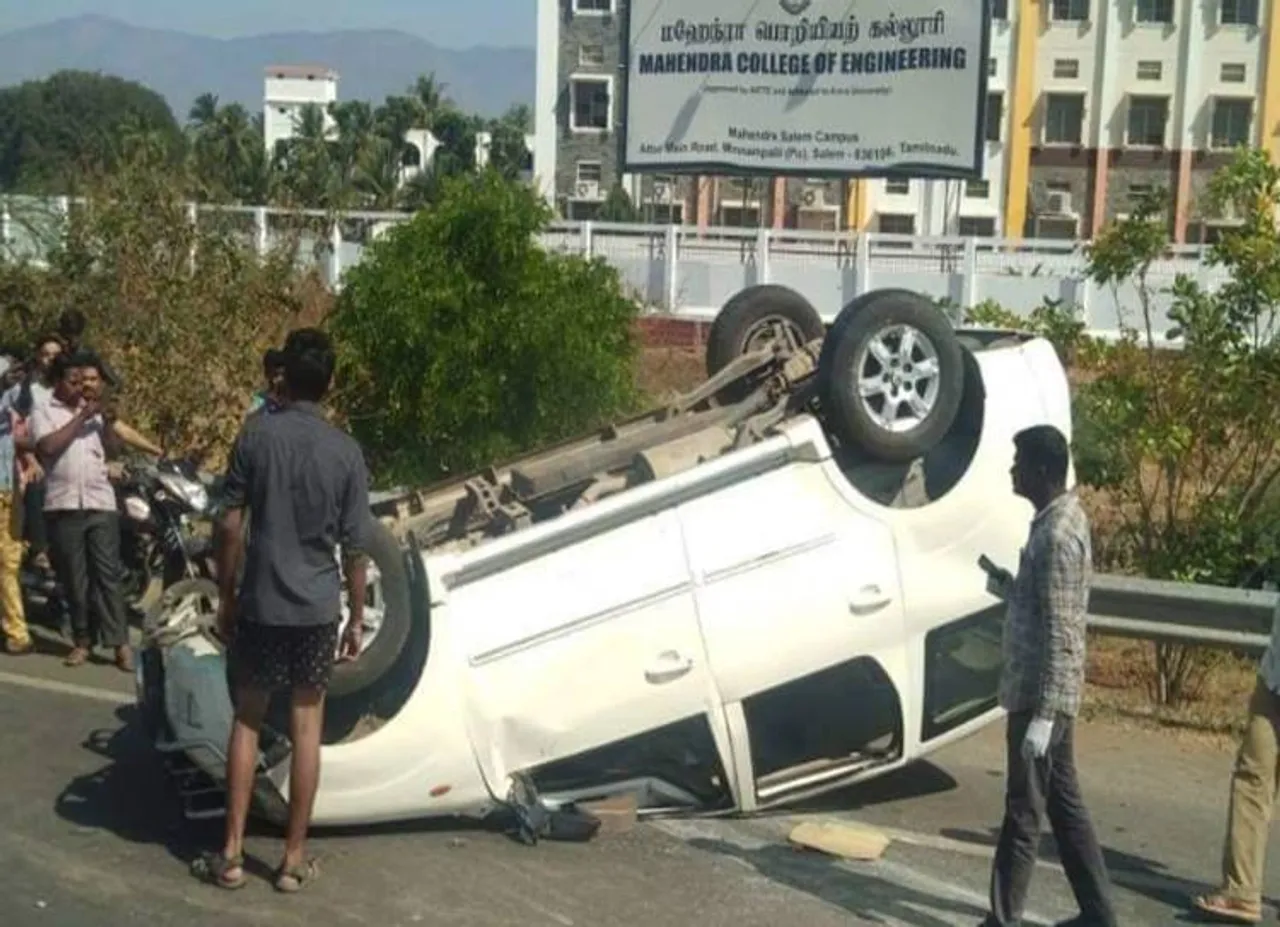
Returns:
(214, 868)
(294, 878)
(1226, 908)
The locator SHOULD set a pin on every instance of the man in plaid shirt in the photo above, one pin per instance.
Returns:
(1040, 687)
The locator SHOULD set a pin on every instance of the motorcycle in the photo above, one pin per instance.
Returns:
(159, 505)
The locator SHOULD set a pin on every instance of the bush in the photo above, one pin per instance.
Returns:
(463, 341)
(182, 311)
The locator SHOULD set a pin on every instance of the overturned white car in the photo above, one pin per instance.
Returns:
(766, 590)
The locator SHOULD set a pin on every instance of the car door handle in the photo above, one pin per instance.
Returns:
(668, 667)
(868, 599)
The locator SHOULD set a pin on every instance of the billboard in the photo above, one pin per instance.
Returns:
(807, 88)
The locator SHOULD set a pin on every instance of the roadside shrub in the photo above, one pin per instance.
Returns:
(1184, 442)
(181, 310)
(463, 341)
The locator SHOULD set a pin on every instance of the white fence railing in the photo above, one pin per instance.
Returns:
(690, 271)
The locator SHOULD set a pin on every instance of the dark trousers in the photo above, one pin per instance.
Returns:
(85, 548)
(1033, 788)
(33, 520)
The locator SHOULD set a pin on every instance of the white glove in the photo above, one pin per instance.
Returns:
(1036, 744)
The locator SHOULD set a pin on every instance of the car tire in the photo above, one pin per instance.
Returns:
(742, 323)
(880, 319)
(365, 672)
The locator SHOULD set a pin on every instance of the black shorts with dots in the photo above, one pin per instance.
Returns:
(274, 657)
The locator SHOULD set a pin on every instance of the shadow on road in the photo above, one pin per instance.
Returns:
(130, 796)
(1132, 873)
(858, 891)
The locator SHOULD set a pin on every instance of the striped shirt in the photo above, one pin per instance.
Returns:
(1044, 633)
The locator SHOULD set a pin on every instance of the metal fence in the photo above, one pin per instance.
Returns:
(1187, 613)
(689, 271)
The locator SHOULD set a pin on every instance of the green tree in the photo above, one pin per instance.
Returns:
(463, 341)
(1188, 437)
(74, 123)
(508, 153)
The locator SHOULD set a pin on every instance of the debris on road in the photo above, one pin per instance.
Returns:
(617, 815)
(848, 839)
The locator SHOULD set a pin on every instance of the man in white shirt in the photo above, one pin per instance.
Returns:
(81, 509)
(1253, 788)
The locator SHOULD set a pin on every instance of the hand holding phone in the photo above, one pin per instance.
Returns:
(999, 580)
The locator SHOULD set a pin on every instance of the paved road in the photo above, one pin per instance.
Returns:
(91, 837)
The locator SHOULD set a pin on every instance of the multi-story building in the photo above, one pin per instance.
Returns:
(1089, 104)
(287, 90)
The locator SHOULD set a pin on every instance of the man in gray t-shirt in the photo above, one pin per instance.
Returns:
(305, 486)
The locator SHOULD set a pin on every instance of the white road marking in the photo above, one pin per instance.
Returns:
(66, 688)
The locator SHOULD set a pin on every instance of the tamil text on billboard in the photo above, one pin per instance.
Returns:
(806, 87)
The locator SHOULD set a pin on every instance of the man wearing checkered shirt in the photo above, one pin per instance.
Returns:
(1040, 687)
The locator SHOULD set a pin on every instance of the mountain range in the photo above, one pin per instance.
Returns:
(371, 64)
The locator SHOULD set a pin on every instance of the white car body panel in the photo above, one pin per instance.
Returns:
(681, 597)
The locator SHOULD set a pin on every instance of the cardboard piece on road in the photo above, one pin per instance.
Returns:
(617, 814)
(848, 839)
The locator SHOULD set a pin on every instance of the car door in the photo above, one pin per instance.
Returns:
(801, 609)
(581, 647)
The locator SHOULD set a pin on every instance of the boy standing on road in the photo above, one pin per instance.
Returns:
(1040, 687)
(305, 487)
(1253, 789)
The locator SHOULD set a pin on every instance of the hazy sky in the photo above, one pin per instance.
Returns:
(451, 23)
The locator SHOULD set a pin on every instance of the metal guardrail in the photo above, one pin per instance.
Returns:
(1185, 613)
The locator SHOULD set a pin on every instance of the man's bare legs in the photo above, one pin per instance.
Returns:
(306, 721)
(242, 767)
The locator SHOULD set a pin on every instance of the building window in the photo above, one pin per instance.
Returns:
(1148, 119)
(994, 116)
(591, 56)
(1232, 73)
(593, 7)
(991, 67)
(977, 189)
(1066, 68)
(1069, 11)
(897, 186)
(590, 172)
(1057, 186)
(1150, 70)
(1136, 193)
(592, 104)
(1064, 119)
(896, 223)
(977, 227)
(1239, 12)
(1232, 123)
(1000, 9)
(1153, 11)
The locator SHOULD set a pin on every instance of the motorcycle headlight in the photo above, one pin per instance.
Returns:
(191, 492)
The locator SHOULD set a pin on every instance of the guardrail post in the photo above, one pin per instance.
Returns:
(862, 264)
(260, 231)
(673, 266)
(588, 239)
(193, 218)
(969, 282)
(5, 230)
(763, 240)
(335, 256)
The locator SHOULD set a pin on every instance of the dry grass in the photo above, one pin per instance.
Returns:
(1118, 674)
(1119, 669)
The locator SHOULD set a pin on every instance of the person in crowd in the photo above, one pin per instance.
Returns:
(269, 398)
(92, 385)
(1254, 779)
(71, 327)
(13, 616)
(35, 388)
(80, 505)
(1040, 687)
(305, 485)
